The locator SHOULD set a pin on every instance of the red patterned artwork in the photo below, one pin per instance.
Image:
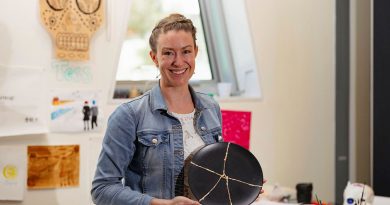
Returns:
(236, 126)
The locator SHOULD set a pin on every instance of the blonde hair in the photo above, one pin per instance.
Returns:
(172, 22)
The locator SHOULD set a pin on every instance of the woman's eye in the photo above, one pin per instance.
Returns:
(187, 51)
(167, 53)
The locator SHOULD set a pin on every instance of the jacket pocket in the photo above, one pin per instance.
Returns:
(154, 155)
(150, 140)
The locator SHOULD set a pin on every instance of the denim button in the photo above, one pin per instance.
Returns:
(154, 141)
(203, 128)
(220, 138)
(178, 152)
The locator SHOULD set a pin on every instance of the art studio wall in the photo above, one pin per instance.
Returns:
(293, 124)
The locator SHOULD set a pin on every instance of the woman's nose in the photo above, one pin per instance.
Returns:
(179, 60)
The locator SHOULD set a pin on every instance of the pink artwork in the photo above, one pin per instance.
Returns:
(236, 126)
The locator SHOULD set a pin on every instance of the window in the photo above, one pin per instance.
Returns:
(225, 55)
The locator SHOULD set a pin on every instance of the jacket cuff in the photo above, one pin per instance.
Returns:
(146, 199)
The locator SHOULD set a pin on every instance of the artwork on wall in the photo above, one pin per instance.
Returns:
(53, 166)
(22, 107)
(13, 166)
(71, 24)
(236, 126)
(75, 111)
(72, 72)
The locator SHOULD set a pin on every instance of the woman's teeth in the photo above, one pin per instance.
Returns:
(179, 71)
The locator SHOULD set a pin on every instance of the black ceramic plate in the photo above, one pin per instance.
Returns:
(241, 183)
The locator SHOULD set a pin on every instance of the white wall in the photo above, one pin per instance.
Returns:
(293, 130)
(292, 126)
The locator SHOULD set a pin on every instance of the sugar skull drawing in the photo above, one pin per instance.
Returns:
(71, 24)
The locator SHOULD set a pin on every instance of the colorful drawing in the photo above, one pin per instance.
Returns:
(57, 101)
(75, 111)
(76, 72)
(10, 172)
(53, 166)
(236, 126)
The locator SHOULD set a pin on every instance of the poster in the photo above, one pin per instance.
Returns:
(13, 165)
(236, 126)
(53, 166)
(22, 108)
(75, 111)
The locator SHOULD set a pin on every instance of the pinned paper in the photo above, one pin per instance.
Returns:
(53, 166)
(75, 111)
(13, 164)
(236, 126)
(22, 107)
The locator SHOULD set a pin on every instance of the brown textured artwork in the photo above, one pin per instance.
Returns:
(71, 23)
(53, 166)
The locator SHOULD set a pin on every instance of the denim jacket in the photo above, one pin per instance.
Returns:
(142, 151)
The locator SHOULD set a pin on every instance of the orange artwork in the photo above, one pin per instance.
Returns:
(53, 166)
(71, 24)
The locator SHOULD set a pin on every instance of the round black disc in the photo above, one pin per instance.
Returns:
(207, 181)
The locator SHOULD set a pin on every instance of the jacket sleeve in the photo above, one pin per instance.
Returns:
(219, 114)
(117, 152)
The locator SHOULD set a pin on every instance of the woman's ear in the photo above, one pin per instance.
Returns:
(196, 51)
(153, 56)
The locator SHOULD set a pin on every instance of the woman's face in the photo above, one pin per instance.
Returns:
(175, 57)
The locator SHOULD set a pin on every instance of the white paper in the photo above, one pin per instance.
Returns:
(67, 111)
(22, 93)
(13, 165)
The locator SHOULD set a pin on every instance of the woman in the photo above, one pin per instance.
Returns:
(148, 138)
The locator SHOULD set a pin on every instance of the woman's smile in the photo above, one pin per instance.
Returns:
(179, 72)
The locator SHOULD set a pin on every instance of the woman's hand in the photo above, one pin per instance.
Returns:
(262, 190)
(179, 200)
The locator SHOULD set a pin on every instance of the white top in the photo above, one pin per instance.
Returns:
(191, 140)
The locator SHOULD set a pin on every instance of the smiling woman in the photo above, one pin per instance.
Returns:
(173, 52)
(149, 137)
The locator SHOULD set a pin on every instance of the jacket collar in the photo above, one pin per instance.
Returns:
(157, 101)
